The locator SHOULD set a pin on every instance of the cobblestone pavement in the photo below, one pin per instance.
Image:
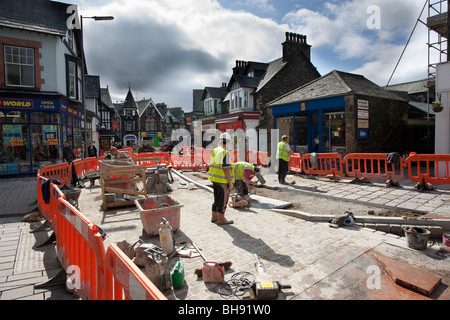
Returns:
(318, 262)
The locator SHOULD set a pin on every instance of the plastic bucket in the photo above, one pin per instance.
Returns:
(417, 238)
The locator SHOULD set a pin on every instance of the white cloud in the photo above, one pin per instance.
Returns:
(342, 27)
(168, 48)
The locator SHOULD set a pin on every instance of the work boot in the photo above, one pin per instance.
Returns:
(214, 217)
(221, 219)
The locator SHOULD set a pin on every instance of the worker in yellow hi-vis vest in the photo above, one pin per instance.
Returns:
(220, 173)
(283, 155)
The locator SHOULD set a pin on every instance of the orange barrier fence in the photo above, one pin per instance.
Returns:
(151, 159)
(79, 244)
(431, 168)
(90, 164)
(252, 157)
(184, 162)
(79, 168)
(263, 158)
(124, 280)
(81, 252)
(207, 157)
(295, 163)
(61, 172)
(325, 163)
(372, 165)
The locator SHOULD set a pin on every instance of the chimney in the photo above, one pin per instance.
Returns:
(240, 67)
(295, 43)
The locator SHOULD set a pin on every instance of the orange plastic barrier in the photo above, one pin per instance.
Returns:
(263, 158)
(372, 165)
(295, 162)
(90, 164)
(125, 281)
(80, 246)
(151, 159)
(427, 167)
(184, 161)
(128, 150)
(79, 168)
(198, 158)
(252, 157)
(61, 172)
(326, 163)
(207, 157)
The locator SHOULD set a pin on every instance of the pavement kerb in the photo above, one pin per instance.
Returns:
(444, 223)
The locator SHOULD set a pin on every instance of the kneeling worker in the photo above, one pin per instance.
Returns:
(220, 174)
(244, 172)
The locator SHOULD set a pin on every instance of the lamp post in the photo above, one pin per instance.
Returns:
(83, 97)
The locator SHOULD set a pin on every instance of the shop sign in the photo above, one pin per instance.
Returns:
(363, 124)
(12, 135)
(40, 105)
(115, 124)
(229, 125)
(49, 135)
(16, 103)
(363, 134)
(151, 134)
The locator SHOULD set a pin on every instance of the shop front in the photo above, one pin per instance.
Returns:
(33, 132)
(313, 126)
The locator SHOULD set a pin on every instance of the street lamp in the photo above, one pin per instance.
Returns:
(83, 97)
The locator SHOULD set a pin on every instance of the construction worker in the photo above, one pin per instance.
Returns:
(244, 172)
(220, 174)
(283, 155)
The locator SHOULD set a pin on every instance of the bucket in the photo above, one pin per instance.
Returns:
(213, 272)
(446, 239)
(416, 238)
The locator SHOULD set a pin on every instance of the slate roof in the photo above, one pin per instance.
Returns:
(335, 83)
(106, 97)
(413, 87)
(215, 92)
(35, 15)
(273, 68)
(144, 105)
(129, 101)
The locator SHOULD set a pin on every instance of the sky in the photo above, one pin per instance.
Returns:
(164, 49)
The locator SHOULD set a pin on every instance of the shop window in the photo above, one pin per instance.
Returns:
(40, 117)
(19, 66)
(46, 145)
(14, 149)
(2, 117)
(16, 117)
(55, 118)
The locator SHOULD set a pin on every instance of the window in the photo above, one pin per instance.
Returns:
(40, 117)
(19, 66)
(16, 117)
(129, 125)
(71, 79)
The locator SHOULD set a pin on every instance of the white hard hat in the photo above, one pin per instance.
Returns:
(225, 136)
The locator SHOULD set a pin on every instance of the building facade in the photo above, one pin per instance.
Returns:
(344, 113)
(40, 85)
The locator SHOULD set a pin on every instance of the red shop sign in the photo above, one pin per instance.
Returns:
(229, 125)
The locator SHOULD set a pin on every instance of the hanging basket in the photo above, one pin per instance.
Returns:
(437, 108)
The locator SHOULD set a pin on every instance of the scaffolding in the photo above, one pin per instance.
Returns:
(437, 23)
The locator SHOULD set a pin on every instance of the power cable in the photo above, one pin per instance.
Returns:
(409, 39)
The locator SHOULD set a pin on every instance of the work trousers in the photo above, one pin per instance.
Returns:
(221, 194)
(283, 168)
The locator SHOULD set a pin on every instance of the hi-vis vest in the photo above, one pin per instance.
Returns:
(239, 168)
(282, 152)
(216, 173)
